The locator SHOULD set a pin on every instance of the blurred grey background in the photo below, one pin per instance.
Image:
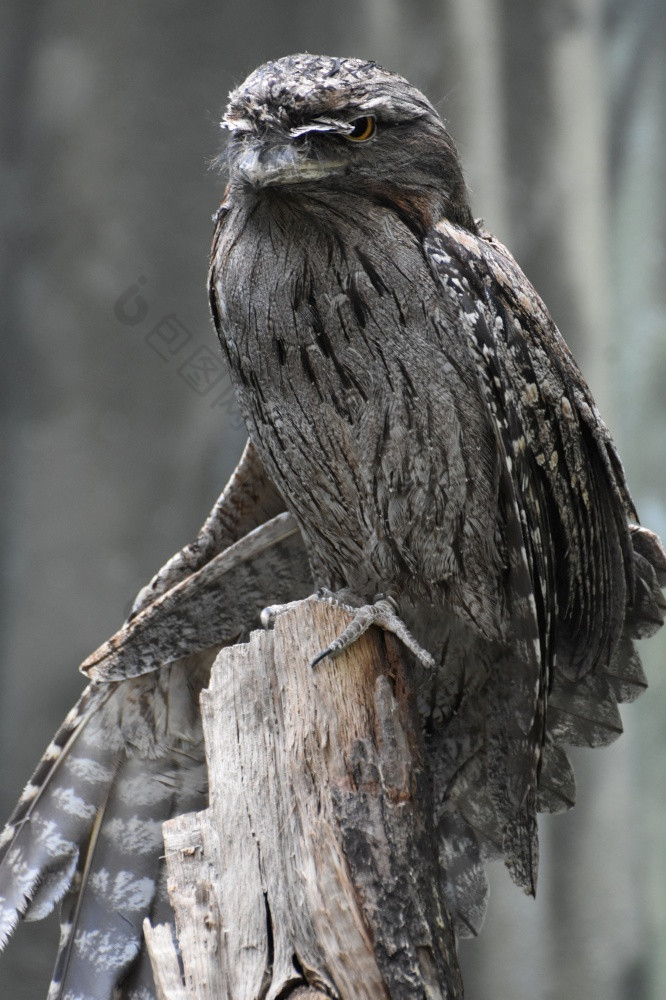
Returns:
(118, 426)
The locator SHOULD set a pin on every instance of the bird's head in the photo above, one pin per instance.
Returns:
(344, 125)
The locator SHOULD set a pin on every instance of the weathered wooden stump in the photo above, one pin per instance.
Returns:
(313, 873)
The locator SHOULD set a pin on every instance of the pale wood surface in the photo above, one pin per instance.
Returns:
(164, 959)
(315, 864)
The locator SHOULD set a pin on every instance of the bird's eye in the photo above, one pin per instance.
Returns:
(362, 129)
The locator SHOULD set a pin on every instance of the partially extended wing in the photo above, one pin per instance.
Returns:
(248, 500)
(568, 484)
(212, 606)
(88, 827)
(581, 582)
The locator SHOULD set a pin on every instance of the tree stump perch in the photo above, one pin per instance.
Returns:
(313, 873)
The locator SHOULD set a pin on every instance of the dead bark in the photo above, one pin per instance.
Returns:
(313, 873)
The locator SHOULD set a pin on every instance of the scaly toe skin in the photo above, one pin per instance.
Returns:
(270, 614)
(383, 614)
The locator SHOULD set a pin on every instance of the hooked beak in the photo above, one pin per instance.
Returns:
(266, 163)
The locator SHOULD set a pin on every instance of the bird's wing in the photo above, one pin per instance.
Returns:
(248, 500)
(130, 755)
(602, 571)
(581, 580)
(213, 605)
(567, 480)
(91, 834)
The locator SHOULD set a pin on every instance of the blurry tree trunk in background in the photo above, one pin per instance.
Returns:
(582, 938)
(528, 103)
(638, 265)
(586, 936)
(113, 448)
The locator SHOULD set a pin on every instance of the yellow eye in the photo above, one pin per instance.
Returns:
(362, 129)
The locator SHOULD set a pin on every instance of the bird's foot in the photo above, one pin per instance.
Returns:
(383, 612)
(269, 615)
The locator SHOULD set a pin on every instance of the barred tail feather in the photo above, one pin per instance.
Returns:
(129, 756)
(118, 884)
(88, 829)
(139, 983)
(40, 844)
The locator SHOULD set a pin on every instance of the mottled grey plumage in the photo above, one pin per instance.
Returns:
(420, 414)
(130, 754)
(421, 418)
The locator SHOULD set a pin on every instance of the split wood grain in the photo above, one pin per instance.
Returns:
(315, 865)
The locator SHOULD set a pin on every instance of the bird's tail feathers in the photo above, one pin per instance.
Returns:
(88, 829)
(484, 807)
(585, 712)
(120, 880)
(39, 846)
